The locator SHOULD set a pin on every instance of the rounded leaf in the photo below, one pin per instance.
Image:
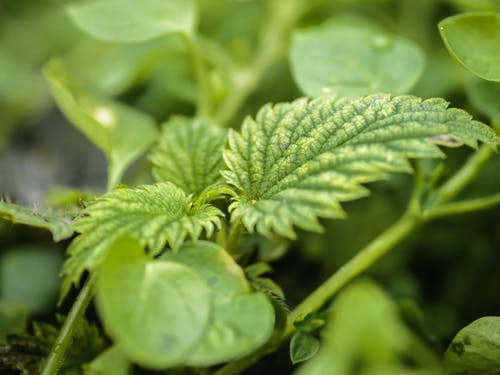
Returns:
(474, 40)
(131, 20)
(353, 58)
(155, 310)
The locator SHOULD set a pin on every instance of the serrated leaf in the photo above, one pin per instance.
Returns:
(121, 132)
(189, 154)
(353, 57)
(303, 346)
(297, 161)
(241, 320)
(156, 311)
(155, 214)
(475, 349)
(473, 39)
(59, 223)
(131, 21)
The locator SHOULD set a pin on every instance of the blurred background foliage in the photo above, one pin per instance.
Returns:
(444, 276)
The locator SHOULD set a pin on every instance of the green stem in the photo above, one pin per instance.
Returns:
(55, 358)
(204, 93)
(464, 176)
(272, 43)
(462, 207)
(357, 265)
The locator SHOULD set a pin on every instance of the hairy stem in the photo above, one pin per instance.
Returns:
(55, 358)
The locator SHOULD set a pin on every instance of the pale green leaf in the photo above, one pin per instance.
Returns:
(352, 58)
(112, 361)
(241, 320)
(156, 311)
(133, 21)
(485, 97)
(121, 132)
(473, 39)
(298, 160)
(365, 335)
(475, 350)
(155, 214)
(59, 223)
(189, 154)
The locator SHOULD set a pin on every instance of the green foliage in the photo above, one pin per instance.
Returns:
(298, 160)
(121, 132)
(179, 259)
(131, 21)
(350, 57)
(155, 214)
(473, 39)
(474, 350)
(155, 332)
(189, 154)
(59, 223)
(365, 335)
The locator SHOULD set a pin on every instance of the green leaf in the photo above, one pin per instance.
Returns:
(241, 320)
(121, 132)
(303, 346)
(189, 154)
(485, 97)
(112, 361)
(298, 160)
(352, 58)
(131, 21)
(473, 39)
(38, 291)
(155, 214)
(13, 319)
(156, 311)
(59, 223)
(366, 336)
(475, 349)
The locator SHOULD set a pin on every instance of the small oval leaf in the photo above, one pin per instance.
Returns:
(343, 58)
(133, 21)
(303, 346)
(474, 39)
(155, 310)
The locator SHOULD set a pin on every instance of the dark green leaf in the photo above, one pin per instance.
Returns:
(475, 350)
(473, 39)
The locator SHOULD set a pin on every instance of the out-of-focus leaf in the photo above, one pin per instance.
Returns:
(343, 58)
(475, 350)
(13, 318)
(110, 362)
(60, 224)
(29, 275)
(303, 346)
(473, 39)
(121, 132)
(485, 97)
(133, 21)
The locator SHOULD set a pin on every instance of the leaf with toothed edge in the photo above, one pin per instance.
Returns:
(154, 214)
(297, 161)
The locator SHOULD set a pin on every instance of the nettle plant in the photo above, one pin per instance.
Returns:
(173, 265)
